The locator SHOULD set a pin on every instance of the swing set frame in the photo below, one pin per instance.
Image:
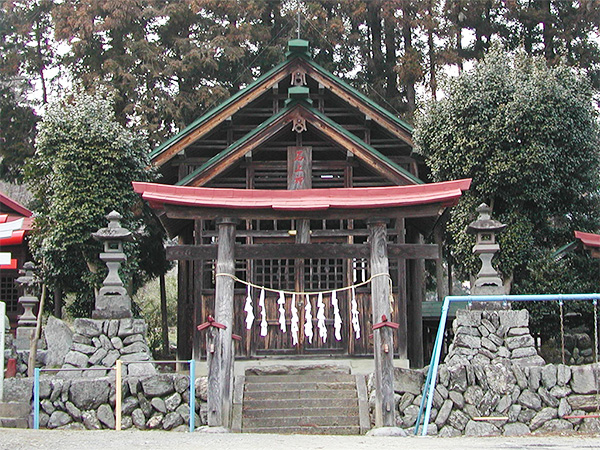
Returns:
(430, 382)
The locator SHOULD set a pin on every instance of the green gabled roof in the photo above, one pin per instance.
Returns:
(256, 83)
(237, 144)
(240, 142)
(358, 94)
(363, 144)
(203, 118)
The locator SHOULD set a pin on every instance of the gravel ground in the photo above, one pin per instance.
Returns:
(14, 439)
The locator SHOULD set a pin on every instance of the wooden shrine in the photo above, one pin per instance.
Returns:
(302, 184)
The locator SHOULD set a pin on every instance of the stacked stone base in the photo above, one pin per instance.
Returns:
(99, 344)
(493, 383)
(483, 337)
(155, 402)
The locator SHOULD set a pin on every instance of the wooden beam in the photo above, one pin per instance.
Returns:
(221, 116)
(191, 213)
(301, 251)
(383, 342)
(360, 105)
(258, 139)
(345, 142)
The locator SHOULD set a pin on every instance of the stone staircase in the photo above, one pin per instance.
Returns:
(304, 400)
(14, 414)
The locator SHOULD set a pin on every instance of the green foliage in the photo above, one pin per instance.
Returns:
(147, 300)
(528, 136)
(82, 169)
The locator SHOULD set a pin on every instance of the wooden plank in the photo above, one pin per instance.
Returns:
(299, 168)
(301, 251)
(191, 212)
(383, 342)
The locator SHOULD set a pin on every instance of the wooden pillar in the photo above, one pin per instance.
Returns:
(221, 360)
(383, 343)
(402, 296)
(415, 307)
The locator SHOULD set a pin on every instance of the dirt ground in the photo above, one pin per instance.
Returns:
(14, 439)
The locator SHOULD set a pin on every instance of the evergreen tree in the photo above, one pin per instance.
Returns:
(83, 167)
(528, 136)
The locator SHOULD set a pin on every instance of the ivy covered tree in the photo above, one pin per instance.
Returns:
(527, 134)
(83, 167)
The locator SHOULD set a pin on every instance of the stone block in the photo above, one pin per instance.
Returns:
(500, 378)
(530, 400)
(515, 429)
(564, 408)
(444, 413)
(514, 319)
(173, 401)
(98, 356)
(138, 418)
(116, 342)
(474, 428)
(590, 426)
(58, 419)
(155, 421)
(89, 393)
(133, 338)
(555, 426)
(76, 359)
(159, 405)
(88, 327)
(73, 411)
(59, 339)
(158, 386)
(586, 403)
(468, 318)
(141, 369)
(518, 331)
(173, 420)
(110, 358)
(543, 416)
(467, 341)
(549, 376)
(547, 398)
(583, 378)
(524, 352)
(449, 431)
(113, 328)
(90, 420)
(519, 342)
(136, 347)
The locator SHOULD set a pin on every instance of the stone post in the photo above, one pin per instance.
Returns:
(113, 301)
(488, 281)
(27, 321)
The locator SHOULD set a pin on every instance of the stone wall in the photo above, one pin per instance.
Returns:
(493, 370)
(99, 343)
(154, 402)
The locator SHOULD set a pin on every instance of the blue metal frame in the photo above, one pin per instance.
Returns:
(192, 395)
(429, 387)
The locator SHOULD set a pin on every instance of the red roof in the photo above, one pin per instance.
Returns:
(588, 239)
(15, 206)
(447, 193)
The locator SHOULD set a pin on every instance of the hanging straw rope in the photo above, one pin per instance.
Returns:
(328, 291)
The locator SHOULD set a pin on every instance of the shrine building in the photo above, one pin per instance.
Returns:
(298, 206)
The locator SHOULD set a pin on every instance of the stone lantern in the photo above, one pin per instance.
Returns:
(27, 321)
(113, 301)
(488, 281)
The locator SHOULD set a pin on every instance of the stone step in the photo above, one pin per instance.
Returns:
(282, 404)
(302, 411)
(14, 422)
(326, 378)
(303, 386)
(339, 430)
(14, 409)
(300, 394)
(299, 421)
